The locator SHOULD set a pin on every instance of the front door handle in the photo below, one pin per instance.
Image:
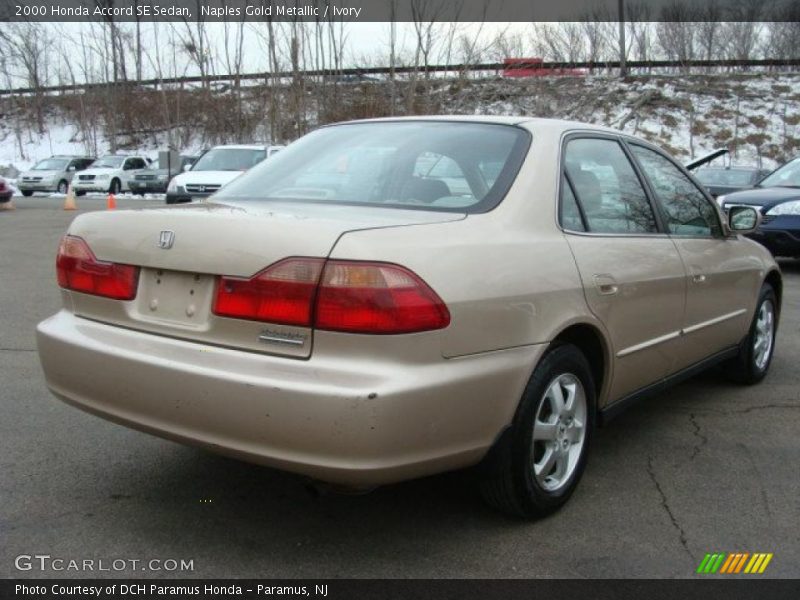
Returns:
(606, 285)
(698, 278)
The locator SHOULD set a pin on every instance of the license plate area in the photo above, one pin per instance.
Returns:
(176, 298)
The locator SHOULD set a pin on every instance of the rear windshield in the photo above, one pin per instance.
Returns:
(229, 159)
(428, 165)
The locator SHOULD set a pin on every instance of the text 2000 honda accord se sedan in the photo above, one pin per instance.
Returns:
(393, 298)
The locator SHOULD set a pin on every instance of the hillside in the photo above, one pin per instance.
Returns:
(757, 116)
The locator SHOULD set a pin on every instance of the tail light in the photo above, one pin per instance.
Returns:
(79, 270)
(376, 298)
(282, 293)
(348, 296)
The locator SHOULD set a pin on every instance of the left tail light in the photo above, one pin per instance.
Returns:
(78, 269)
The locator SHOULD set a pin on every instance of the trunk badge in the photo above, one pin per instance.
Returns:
(166, 239)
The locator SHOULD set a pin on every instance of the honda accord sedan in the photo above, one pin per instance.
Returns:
(389, 299)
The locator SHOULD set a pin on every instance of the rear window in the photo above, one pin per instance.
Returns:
(427, 165)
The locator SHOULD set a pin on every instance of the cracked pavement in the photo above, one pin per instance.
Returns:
(707, 466)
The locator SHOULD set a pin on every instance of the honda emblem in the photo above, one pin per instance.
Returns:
(166, 239)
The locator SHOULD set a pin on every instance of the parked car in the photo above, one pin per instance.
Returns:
(374, 326)
(155, 180)
(724, 180)
(5, 191)
(52, 174)
(111, 174)
(777, 197)
(215, 168)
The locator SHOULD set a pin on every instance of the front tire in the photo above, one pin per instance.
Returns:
(755, 354)
(62, 187)
(115, 187)
(27, 193)
(536, 466)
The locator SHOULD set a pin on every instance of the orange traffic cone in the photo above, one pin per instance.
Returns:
(7, 205)
(111, 203)
(69, 201)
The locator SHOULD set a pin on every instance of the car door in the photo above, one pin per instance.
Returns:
(632, 274)
(722, 275)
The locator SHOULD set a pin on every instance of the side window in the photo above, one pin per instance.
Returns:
(570, 216)
(607, 188)
(688, 210)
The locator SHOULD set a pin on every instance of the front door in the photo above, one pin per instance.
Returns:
(721, 272)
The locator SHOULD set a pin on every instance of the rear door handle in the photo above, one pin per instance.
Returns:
(606, 285)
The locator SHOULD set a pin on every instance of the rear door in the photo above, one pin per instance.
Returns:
(632, 274)
(721, 274)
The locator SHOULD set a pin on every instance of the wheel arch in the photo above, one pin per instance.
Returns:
(590, 340)
(775, 279)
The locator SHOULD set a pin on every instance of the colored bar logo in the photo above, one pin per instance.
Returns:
(734, 563)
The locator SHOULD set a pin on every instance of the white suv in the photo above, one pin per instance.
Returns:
(109, 174)
(215, 168)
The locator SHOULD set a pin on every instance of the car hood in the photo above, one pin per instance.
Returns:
(206, 177)
(764, 197)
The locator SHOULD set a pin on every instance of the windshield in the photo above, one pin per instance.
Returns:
(51, 164)
(229, 159)
(108, 162)
(724, 176)
(464, 167)
(787, 176)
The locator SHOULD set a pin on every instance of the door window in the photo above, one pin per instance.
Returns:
(570, 215)
(607, 188)
(687, 209)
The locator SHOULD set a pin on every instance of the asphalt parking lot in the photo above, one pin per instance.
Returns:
(705, 467)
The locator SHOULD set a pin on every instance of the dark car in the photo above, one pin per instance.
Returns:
(777, 196)
(725, 180)
(5, 191)
(155, 181)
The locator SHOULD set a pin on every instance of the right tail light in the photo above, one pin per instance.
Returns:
(334, 295)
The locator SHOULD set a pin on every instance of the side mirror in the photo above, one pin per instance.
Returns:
(72, 169)
(743, 219)
(186, 167)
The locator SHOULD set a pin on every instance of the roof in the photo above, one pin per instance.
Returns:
(246, 146)
(528, 122)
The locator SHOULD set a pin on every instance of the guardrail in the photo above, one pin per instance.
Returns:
(400, 70)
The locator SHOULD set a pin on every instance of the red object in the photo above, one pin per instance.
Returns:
(282, 293)
(334, 295)
(533, 67)
(78, 269)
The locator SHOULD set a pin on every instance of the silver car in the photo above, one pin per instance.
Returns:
(52, 174)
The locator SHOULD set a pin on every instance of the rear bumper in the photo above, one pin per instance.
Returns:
(353, 423)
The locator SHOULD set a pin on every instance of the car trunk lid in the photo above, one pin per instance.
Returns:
(182, 250)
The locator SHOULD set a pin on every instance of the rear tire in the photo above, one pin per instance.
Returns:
(535, 467)
(755, 353)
